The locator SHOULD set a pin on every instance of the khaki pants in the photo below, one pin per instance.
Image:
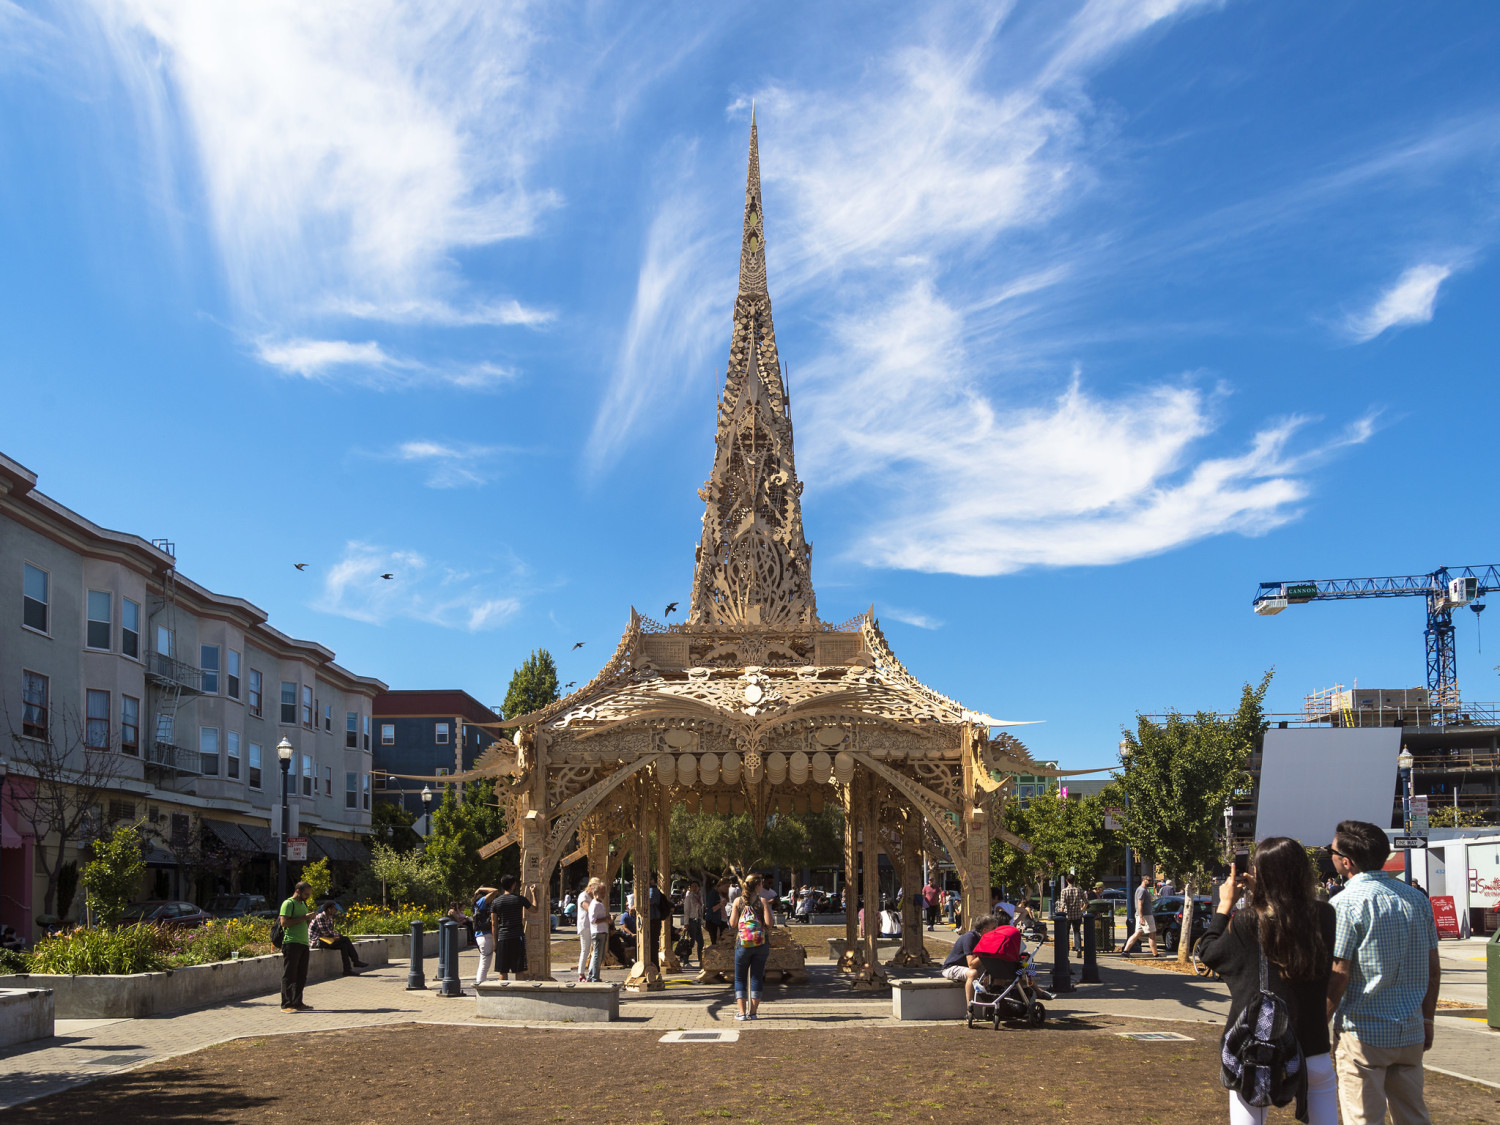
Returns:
(1370, 1078)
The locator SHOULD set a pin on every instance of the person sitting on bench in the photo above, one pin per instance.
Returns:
(962, 964)
(325, 936)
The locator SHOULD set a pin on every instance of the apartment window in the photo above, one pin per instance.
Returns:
(351, 730)
(36, 598)
(208, 750)
(442, 734)
(121, 810)
(309, 776)
(387, 734)
(130, 628)
(101, 620)
(328, 781)
(34, 705)
(366, 779)
(208, 660)
(255, 693)
(232, 676)
(130, 724)
(351, 791)
(307, 706)
(96, 720)
(328, 718)
(164, 640)
(232, 754)
(255, 765)
(367, 732)
(288, 702)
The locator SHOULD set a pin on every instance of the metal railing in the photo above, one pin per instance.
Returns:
(164, 671)
(176, 758)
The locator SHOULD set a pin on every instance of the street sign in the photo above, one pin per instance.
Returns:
(1113, 815)
(296, 848)
(1419, 813)
(1401, 843)
(1445, 917)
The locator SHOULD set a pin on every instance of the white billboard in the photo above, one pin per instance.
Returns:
(1313, 777)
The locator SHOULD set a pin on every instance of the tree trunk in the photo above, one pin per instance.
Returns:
(1185, 935)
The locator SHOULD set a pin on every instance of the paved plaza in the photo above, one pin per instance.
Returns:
(84, 1050)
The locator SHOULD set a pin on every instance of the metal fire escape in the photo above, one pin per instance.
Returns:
(172, 682)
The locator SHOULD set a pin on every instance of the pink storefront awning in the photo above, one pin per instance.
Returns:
(9, 837)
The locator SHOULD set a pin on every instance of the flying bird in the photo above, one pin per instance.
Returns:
(671, 609)
(580, 644)
(387, 576)
(300, 566)
(570, 683)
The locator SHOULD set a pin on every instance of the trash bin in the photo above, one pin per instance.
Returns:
(1104, 936)
(1492, 979)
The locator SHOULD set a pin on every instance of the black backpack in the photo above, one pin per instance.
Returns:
(1261, 1056)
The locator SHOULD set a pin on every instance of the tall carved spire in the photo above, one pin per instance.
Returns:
(754, 566)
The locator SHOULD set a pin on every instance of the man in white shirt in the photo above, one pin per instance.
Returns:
(581, 922)
(598, 921)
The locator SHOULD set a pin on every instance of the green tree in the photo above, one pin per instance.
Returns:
(1065, 836)
(408, 876)
(715, 844)
(466, 820)
(532, 686)
(390, 824)
(112, 879)
(1180, 775)
(319, 877)
(1446, 816)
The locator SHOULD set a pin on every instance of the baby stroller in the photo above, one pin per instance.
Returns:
(1008, 990)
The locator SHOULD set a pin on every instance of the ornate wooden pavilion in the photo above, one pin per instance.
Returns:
(753, 704)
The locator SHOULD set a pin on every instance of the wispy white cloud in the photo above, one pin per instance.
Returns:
(368, 364)
(985, 486)
(911, 617)
(450, 464)
(443, 314)
(1409, 301)
(420, 590)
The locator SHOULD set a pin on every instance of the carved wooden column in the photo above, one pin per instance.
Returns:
(870, 974)
(665, 956)
(913, 905)
(534, 827)
(644, 974)
(974, 864)
(851, 793)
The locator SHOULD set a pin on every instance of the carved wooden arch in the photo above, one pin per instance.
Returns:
(562, 829)
(924, 800)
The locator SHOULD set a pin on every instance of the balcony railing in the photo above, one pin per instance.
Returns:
(178, 759)
(164, 671)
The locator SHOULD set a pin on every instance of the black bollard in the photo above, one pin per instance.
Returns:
(415, 980)
(450, 982)
(1062, 975)
(1090, 974)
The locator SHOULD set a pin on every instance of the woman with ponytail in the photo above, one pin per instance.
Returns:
(1283, 917)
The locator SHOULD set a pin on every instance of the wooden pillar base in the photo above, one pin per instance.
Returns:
(852, 960)
(870, 976)
(644, 977)
(912, 958)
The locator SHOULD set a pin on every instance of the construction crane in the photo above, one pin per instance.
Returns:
(1446, 589)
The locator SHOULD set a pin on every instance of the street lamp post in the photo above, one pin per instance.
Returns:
(1404, 761)
(1229, 833)
(1125, 752)
(426, 814)
(284, 755)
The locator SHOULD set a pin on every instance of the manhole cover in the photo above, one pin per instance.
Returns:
(1156, 1036)
(700, 1037)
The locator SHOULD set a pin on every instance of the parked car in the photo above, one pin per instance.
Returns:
(1113, 893)
(165, 912)
(1168, 915)
(237, 906)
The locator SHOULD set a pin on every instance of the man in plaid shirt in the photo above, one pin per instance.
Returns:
(1074, 904)
(1383, 993)
(326, 935)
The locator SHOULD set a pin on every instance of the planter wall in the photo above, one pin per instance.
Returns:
(398, 946)
(197, 986)
(25, 1014)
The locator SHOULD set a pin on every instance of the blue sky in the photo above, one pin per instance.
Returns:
(1096, 315)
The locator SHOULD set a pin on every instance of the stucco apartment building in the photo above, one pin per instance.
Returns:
(168, 701)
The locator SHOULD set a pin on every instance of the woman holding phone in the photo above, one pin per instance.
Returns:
(1282, 917)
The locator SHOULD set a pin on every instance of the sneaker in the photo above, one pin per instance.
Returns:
(361, 964)
(304, 1007)
(351, 972)
(740, 1016)
(291, 1011)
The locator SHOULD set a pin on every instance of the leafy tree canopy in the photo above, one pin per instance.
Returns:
(716, 844)
(112, 879)
(466, 820)
(1065, 836)
(391, 825)
(532, 686)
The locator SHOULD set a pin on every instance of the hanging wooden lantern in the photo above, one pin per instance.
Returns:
(821, 765)
(776, 768)
(690, 799)
(815, 801)
(666, 771)
(687, 770)
(678, 738)
(843, 767)
(801, 802)
(729, 768)
(737, 803)
(796, 767)
(708, 769)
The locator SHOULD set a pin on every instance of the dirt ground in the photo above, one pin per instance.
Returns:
(1070, 1071)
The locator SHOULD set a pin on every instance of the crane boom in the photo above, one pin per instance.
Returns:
(1446, 589)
